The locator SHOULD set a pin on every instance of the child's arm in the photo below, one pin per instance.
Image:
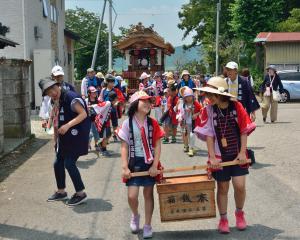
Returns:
(213, 162)
(242, 154)
(157, 150)
(124, 157)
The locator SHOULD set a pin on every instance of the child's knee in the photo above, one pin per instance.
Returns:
(132, 198)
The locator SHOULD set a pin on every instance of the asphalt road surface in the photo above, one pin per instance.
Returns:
(272, 204)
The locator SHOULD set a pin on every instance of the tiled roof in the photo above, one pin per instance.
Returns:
(278, 37)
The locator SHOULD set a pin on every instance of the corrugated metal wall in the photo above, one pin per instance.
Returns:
(283, 55)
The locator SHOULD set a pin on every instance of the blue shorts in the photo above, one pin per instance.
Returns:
(146, 181)
(226, 173)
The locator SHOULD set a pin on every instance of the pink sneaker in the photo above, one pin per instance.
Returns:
(240, 220)
(135, 223)
(223, 226)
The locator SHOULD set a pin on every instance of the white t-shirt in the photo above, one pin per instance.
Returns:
(138, 144)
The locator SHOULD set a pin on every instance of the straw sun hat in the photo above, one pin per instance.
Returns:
(216, 85)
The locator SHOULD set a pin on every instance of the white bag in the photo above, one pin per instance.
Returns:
(276, 95)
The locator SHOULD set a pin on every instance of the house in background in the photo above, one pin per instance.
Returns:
(39, 28)
(279, 48)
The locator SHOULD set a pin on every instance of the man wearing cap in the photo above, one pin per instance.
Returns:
(88, 81)
(57, 74)
(241, 89)
(73, 127)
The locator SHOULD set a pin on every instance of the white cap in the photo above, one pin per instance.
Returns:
(144, 76)
(166, 90)
(57, 70)
(232, 65)
(119, 78)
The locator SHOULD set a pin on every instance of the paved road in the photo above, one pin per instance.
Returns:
(272, 205)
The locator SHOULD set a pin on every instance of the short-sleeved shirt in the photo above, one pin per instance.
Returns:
(123, 133)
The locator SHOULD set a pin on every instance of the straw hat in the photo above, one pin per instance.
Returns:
(185, 72)
(216, 85)
(186, 92)
(99, 75)
(139, 95)
(169, 76)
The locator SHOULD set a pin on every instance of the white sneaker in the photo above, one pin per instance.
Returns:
(135, 223)
(147, 233)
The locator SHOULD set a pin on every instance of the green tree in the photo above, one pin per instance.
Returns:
(198, 17)
(254, 16)
(3, 29)
(86, 24)
(292, 24)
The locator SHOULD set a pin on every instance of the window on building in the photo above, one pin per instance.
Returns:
(53, 14)
(45, 8)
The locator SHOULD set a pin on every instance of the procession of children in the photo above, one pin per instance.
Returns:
(211, 109)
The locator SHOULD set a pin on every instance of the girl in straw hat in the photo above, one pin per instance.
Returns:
(140, 151)
(225, 126)
(188, 115)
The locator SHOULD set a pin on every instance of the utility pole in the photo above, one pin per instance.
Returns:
(217, 36)
(110, 36)
(98, 36)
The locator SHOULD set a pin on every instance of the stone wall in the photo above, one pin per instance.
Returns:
(15, 94)
(1, 116)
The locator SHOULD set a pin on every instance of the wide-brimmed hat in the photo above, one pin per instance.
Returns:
(185, 72)
(169, 76)
(232, 65)
(45, 84)
(144, 76)
(57, 71)
(99, 75)
(216, 85)
(271, 67)
(109, 78)
(139, 95)
(186, 92)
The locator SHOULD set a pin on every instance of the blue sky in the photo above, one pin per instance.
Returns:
(162, 13)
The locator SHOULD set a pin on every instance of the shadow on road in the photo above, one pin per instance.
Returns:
(256, 231)
(23, 233)
(86, 163)
(256, 148)
(12, 161)
(200, 152)
(93, 205)
(258, 165)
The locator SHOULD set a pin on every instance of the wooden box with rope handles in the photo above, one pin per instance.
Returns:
(187, 197)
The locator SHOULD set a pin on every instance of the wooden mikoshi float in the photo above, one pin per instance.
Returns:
(144, 51)
(186, 197)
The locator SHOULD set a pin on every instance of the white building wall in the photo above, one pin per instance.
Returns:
(21, 16)
(11, 16)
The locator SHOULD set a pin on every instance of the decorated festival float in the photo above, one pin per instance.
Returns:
(144, 51)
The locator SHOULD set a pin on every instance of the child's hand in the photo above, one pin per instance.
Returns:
(242, 158)
(126, 173)
(214, 163)
(153, 171)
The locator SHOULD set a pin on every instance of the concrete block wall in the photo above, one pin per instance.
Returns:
(15, 94)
